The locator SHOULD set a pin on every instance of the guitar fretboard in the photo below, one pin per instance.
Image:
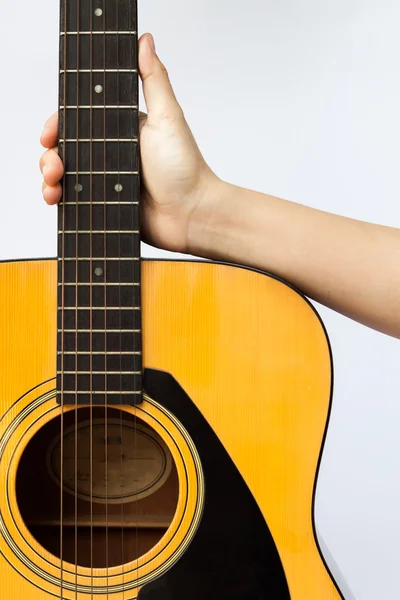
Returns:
(99, 309)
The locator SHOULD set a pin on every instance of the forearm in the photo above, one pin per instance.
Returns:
(351, 266)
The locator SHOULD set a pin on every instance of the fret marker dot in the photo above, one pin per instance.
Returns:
(98, 271)
(98, 89)
(118, 187)
(78, 187)
(98, 12)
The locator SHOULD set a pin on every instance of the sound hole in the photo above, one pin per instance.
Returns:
(119, 487)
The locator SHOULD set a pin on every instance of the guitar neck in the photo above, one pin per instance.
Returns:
(99, 310)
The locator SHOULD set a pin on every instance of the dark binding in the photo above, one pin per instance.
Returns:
(99, 304)
(233, 555)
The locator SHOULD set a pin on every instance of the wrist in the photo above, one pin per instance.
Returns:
(238, 225)
(209, 220)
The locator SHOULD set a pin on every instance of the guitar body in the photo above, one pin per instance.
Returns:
(237, 381)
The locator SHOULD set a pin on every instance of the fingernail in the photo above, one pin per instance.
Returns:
(151, 42)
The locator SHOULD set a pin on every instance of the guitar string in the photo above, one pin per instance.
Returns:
(62, 207)
(91, 294)
(105, 301)
(119, 279)
(134, 119)
(133, 245)
(76, 290)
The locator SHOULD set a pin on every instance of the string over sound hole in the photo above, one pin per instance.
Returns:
(117, 480)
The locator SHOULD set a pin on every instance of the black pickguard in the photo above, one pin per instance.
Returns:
(233, 555)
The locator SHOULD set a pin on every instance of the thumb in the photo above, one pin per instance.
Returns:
(157, 90)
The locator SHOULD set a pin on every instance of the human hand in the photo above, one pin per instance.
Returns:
(177, 184)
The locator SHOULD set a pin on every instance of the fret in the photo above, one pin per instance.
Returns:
(113, 51)
(98, 32)
(103, 285)
(98, 70)
(102, 172)
(100, 397)
(118, 316)
(79, 331)
(86, 245)
(100, 189)
(92, 158)
(112, 382)
(96, 203)
(111, 340)
(97, 140)
(103, 218)
(106, 392)
(110, 123)
(96, 89)
(101, 354)
(94, 308)
(100, 270)
(93, 232)
(116, 15)
(98, 321)
(92, 106)
(113, 327)
(118, 259)
(97, 398)
(99, 296)
(99, 361)
(101, 158)
(99, 372)
(127, 321)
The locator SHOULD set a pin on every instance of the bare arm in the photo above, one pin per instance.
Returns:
(351, 266)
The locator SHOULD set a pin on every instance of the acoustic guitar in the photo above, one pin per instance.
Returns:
(161, 422)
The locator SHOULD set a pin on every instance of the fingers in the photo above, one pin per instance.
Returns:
(51, 193)
(49, 136)
(50, 163)
(52, 169)
(51, 166)
(158, 93)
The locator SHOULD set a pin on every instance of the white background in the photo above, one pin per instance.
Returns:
(297, 98)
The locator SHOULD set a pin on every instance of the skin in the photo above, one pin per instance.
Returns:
(350, 266)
